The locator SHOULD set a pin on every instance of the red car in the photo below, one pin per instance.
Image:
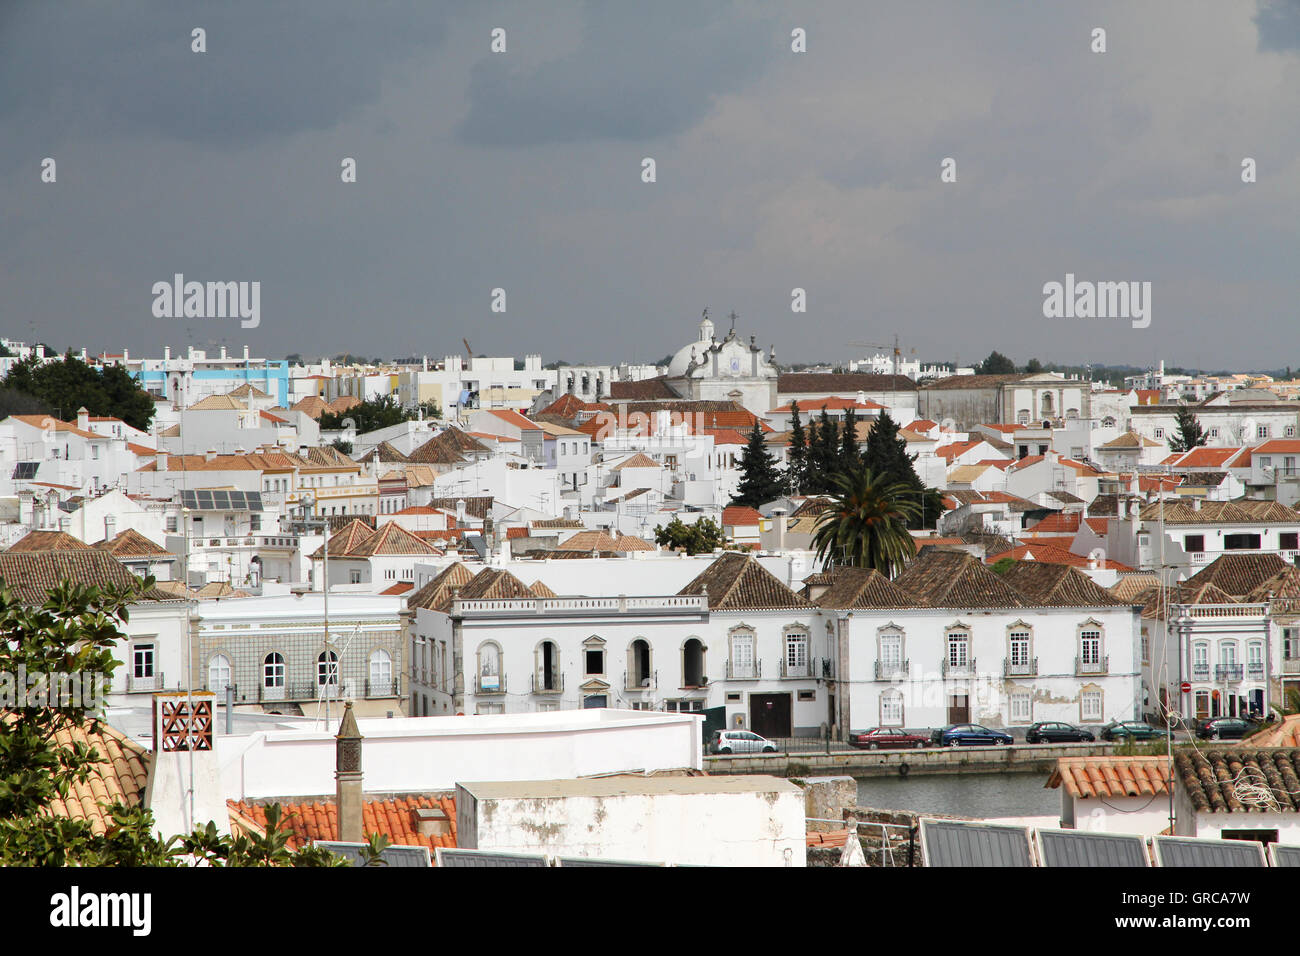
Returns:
(881, 738)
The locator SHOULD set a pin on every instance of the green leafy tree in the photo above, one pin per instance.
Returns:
(368, 416)
(760, 478)
(797, 456)
(996, 364)
(69, 384)
(866, 523)
(1190, 434)
(886, 455)
(1001, 565)
(1033, 366)
(74, 633)
(702, 537)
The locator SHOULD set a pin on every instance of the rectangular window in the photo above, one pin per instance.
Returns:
(1261, 431)
(1091, 706)
(796, 654)
(891, 650)
(1160, 433)
(807, 695)
(1289, 431)
(595, 662)
(958, 650)
(1288, 541)
(1241, 542)
(1193, 543)
(354, 576)
(142, 660)
(1212, 433)
(1090, 647)
(1021, 708)
(891, 710)
(1019, 648)
(1291, 643)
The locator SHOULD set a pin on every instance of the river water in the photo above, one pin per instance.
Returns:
(981, 795)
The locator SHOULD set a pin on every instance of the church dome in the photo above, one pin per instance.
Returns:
(677, 367)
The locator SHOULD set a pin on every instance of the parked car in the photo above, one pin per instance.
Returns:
(959, 735)
(1131, 730)
(1054, 732)
(881, 738)
(1224, 728)
(740, 742)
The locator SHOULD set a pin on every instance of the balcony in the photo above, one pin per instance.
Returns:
(1227, 672)
(1198, 557)
(381, 688)
(301, 690)
(1255, 670)
(1099, 666)
(1291, 665)
(633, 681)
(1200, 672)
(490, 684)
(140, 685)
(794, 671)
(751, 670)
(1021, 669)
(963, 669)
(552, 683)
(891, 670)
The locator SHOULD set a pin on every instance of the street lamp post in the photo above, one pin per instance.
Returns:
(308, 503)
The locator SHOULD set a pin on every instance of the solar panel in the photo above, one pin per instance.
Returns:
(188, 500)
(486, 858)
(254, 499)
(1076, 848)
(1285, 855)
(204, 499)
(1191, 852)
(947, 843)
(25, 470)
(588, 861)
(393, 856)
(221, 500)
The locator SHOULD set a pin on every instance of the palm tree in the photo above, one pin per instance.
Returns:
(866, 524)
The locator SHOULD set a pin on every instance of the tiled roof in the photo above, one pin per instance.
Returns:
(1284, 733)
(955, 579)
(391, 538)
(131, 543)
(395, 818)
(1057, 585)
(1285, 585)
(48, 541)
(601, 541)
(954, 449)
(835, 383)
(646, 388)
(1208, 479)
(1239, 511)
(1111, 776)
(972, 381)
(212, 403)
(220, 589)
(476, 506)
(495, 584)
(740, 515)
(327, 456)
(1159, 601)
(345, 540)
(541, 590)
(860, 588)
(512, 417)
(639, 460)
(401, 587)
(1059, 523)
(121, 775)
(31, 574)
(992, 543)
(436, 595)
(737, 582)
(811, 507)
(1204, 457)
(567, 406)
(1238, 574)
(1133, 587)
(387, 452)
(312, 406)
(554, 523)
(1054, 554)
(436, 451)
(343, 403)
(1212, 778)
(248, 389)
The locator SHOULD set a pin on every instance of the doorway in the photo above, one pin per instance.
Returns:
(770, 715)
(958, 709)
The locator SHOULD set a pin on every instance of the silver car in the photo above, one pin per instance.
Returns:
(740, 742)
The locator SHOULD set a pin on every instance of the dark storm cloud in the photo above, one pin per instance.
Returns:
(126, 69)
(1279, 24)
(639, 73)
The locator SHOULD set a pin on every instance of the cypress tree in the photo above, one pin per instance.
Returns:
(886, 454)
(760, 480)
(850, 455)
(798, 454)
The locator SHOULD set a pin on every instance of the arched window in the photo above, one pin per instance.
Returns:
(327, 669)
(273, 670)
(489, 668)
(381, 673)
(547, 676)
(1108, 421)
(640, 675)
(693, 663)
(1047, 404)
(219, 674)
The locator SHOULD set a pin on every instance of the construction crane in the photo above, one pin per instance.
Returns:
(469, 354)
(894, 350)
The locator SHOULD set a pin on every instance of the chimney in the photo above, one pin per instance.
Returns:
(1122, 506)
(167, 353)
(210, 454)
(347, 776)
(83, 419)
(460, 512)
(223, 352)
(65, 523)
(778, 518)
(862, 397)
(1196, 504)
(161, 460)
(245, 353)
(110, 526)
(184, 758)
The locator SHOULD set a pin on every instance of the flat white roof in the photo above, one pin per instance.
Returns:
(308, 607)
(625, 785)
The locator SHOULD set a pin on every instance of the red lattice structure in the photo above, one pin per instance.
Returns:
(182, 723)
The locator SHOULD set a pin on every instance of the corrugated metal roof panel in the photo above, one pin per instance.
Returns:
(393, 856)
(1080, 848)
(486, 858)
(1189, 852)
(946, 843)
(1285, 855)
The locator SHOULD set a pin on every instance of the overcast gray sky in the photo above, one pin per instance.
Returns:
(522, 170)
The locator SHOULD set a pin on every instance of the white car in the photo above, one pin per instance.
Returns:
(740, 742)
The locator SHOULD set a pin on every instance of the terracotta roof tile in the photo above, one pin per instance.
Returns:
(737, 582)
(47, 541)
(436, 594)
(955, 579)
(859, 588)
